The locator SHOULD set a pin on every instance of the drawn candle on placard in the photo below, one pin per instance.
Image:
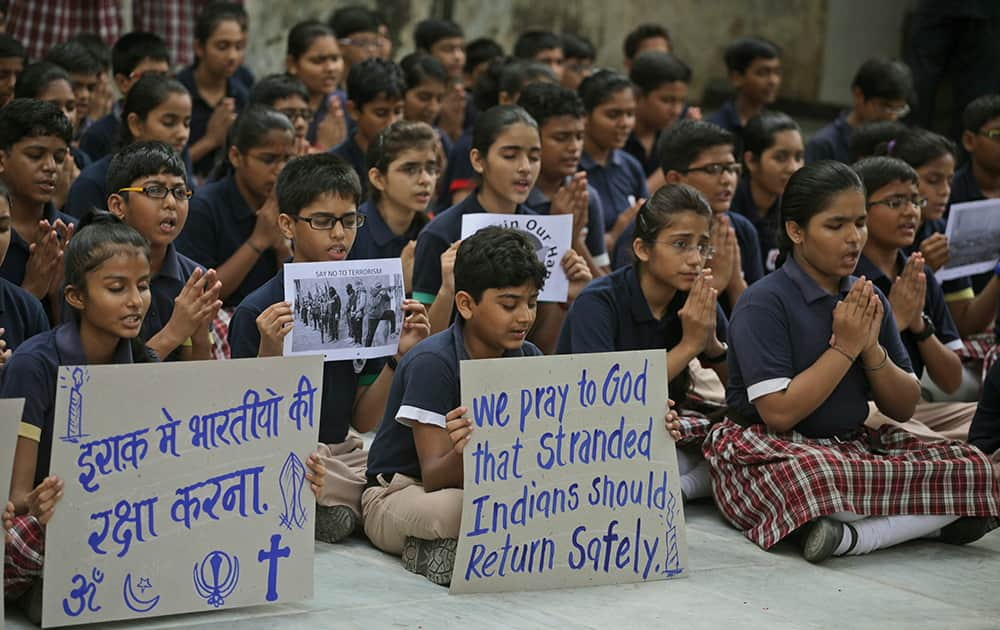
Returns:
(216, 588)
(74, 419)
(291, 481)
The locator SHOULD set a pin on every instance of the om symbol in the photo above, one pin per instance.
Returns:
(83, 594)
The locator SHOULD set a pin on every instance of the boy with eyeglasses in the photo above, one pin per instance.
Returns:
(149, 191)
(357, 32)
(918, 304)
(879, 91)
(980, 177)
(289, 96)
(317, 199)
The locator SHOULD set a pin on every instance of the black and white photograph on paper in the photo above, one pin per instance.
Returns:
(973, 233)
(346, 309)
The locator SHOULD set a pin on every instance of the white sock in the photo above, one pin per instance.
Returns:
(697, 483)
(880, 532)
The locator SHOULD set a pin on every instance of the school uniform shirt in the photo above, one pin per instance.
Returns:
(375, 240)
(779, 328)
(351, 151)
(21, 315)
(16, 261)
(201, 111)
(100, 138)
(458, 174)
(424, 389)
(32, 374)
(965, 187)
(81, 159)
(219, 222)
(341, 379)
(649, 161)
(445, 229)
(729, 119)
(612, 315)
(766, 226)
(935, 307)
(245, 76)
(594, 239)
(985, 430)
(324, 110)
(832, 142)
(620, 183)
(89, 191)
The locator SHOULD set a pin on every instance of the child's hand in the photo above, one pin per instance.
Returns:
(274, 323)
(448, 267)
(222, 118)
(573, 199)
(416, 326)
(407, 258)
(266, 234)
(673, 422)
(459, 428)
(4, 352)
(577, 272)
(43, 499)
(8, 519)
(68, 173)
(698, 313)
(724, 262)
(693, 113)
(906, 297)
(332, 130)
(315, 473)
(44, 258)
(935, 250)
(196, 305)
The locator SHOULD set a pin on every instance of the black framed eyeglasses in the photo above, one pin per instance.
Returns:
(716, 169)
(350, 221)
(293, 114)
(992, 134)
(898, 202)
(156, 191)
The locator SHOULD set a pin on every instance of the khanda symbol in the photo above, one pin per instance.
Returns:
(291, 481)
(215, 588)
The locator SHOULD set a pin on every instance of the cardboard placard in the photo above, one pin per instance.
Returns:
(10, 419)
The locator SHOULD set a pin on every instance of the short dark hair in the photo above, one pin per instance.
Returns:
(600, 86)
(641, 33)
(879, 171)
(306, 178)
(534, 41)
(142, 159)
(275, 87)
(11, 47)
(741, 53)
(868, 137)
(419, 66)
(578, 47)
(506, 74)
(886, 78)
(347, 21)
(759, 132)
(810, 190)
(669, 200)
(216, 13)
(430, 31)
(653, 68)
(492, 123)
(496, 257)
(36, 77)
(73, 56)
(96, 46)
(481, 50)
(29, 118)
(131, 48)
(248, 131)
(917, 147)
(373, 78)
(680, 145)
(543, 101)
(980, 111)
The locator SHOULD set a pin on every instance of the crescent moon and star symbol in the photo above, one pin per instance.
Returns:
(135, 602)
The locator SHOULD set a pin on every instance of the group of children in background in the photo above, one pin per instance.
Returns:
(790, 282)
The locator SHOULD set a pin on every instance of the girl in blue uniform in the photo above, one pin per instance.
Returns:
(664, 300)
(809, 345)
(314, 57)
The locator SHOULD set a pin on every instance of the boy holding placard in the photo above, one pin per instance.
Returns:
(317, 200)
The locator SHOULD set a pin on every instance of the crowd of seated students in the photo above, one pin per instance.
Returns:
(789, 280)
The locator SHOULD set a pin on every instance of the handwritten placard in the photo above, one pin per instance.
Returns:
(551, 236)
(570, 477)
(185, 488)
(10, 419)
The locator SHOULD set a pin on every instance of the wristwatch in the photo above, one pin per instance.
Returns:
(928, 330)
(719, 358)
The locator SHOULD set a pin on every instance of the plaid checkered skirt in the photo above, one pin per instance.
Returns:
(769, 484)
(694, 428)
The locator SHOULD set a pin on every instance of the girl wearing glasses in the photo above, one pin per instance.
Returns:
(403, 172)
(314, 57)
(232, 225)
(810, 344)
(156, 109)
(664, 300)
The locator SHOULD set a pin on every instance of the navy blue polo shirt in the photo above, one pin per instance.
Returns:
(832, 142)
(935, 307)
(618, 181)
(89, 191)
(219, 222)
(201, 111)
(458, 174)
(341, 379)
(32, 374)
(21, 315)
(541, 204)
(727, 117)
(323, 110)
(445, 229)
(164, 289)
(612, 315)
(424, 389)
(985, 430)
(965, 187)
(16, 262)
(375, 240)
(100, 138)
(81, 159)
(350, 151)
(767, 225)
(779, 328)
(245, 76)
(649, 161)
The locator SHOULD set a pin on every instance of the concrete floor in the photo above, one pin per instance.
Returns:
(731, 583)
